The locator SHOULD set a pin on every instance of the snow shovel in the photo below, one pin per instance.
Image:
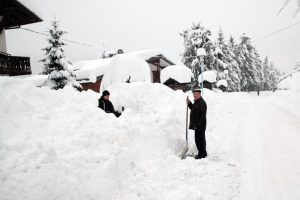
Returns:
(186, 148)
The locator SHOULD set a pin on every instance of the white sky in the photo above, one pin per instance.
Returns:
(139, 24)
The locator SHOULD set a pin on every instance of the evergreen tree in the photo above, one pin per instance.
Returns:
(234, 72)
(247, 58)
(195, 38)
(231, 72)
(240, 64)
(220, 57)
(259, 69)
(56, 65)
(274, 76)
(266, 74)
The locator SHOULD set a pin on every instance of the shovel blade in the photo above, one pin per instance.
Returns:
(185, 150)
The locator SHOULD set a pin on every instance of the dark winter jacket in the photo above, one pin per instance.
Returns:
(198, 114)
(107, 106)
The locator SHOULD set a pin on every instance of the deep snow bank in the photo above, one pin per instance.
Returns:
(59, 145)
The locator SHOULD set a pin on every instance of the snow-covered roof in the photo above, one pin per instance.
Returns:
(201, 52)
(222, 82)
(88, 70)
(126, 68)
(180, 73)
(209, 76)
(32, 5)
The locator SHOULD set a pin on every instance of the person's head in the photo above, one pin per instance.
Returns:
(105, 94)
(197, 93)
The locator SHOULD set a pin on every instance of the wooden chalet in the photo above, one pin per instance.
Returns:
(88, 85)
(222, 85)
(207, 84)
(84, 69)
(209, 79)
(175, 85)
(157, 63)
(13, 14)
(223, 88)
(177, 77)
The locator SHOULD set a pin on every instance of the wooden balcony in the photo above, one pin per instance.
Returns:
(14, 65)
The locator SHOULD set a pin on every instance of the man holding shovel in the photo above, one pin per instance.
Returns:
(198, 121)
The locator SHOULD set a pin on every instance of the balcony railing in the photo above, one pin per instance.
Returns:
(14, 65)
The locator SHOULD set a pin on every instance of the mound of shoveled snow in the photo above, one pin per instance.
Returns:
(59, 145)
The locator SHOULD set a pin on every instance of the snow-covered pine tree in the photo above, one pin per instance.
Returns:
(56, 65)
(195, 38)
(249, 81)
(220, 53)
(234, 72)
(274, 76)
(259, 69)
(266, 74)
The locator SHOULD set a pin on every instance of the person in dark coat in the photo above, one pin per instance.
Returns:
(105, 104)
(198, 121)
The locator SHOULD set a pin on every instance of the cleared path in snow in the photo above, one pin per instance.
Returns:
(270, 161)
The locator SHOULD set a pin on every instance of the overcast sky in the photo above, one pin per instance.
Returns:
(139, 24)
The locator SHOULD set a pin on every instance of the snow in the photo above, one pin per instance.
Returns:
(201, 52)
(209, 76)
(56, 144)
(180, 73)
(37, 80)
(291, 82)
(124, 68)
(148, 53)
(90, 69)
(222, 82)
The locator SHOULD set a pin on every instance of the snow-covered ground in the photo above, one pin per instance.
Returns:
(59, 145)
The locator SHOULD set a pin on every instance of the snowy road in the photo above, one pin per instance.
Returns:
(270, 161)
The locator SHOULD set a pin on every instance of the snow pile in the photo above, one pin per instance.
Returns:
(222, 82)
(209, 76)
(126, 68)
(180, 73)
(89, 69)
(37, 80)
(56, 144)
(291, 82)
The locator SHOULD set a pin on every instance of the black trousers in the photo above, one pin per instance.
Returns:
(200, 142)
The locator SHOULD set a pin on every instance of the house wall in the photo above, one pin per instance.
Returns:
(152, 68)
(92, 86)
(155, 74)
(207, 85)
(2, 41)
(183, 87)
